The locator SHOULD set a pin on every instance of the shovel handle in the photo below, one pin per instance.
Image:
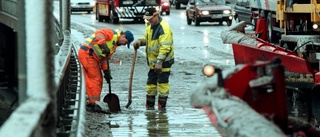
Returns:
(131, 76)
(109, 82)
(109, 87)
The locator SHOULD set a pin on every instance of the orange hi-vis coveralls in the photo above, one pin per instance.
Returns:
(93, 56)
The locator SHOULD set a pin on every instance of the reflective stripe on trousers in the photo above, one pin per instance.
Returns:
(162, 87)
(158, 82)
(92, 73)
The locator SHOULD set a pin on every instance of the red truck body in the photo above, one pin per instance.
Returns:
(301, 66)
(113, 10)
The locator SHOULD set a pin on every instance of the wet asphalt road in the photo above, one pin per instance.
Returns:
(194, 47)
(179, 119)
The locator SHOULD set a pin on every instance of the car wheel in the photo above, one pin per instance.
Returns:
(178, 5)
(229, 22)
(188, 20)
(113, 17)
(98, 17)
(168, 13)
(197, 21)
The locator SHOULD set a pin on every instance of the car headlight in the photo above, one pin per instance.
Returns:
(227, 12)
(165, 4)
(315, 26)
(205, 12)
(208, 70)
(92, 3)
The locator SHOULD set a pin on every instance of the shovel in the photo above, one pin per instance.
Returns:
(112, 100)
(131, 75)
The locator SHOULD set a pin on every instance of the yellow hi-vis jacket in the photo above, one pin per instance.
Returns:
(98, 39)
(159, 43)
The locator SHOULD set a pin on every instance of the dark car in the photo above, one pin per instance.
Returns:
(177, 3)
(242, 12)
(208, 11)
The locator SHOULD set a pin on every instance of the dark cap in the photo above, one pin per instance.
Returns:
(129, 37)
(150, 12)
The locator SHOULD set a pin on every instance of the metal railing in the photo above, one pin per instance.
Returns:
(30, 118)
(56, 110)
(70, 95)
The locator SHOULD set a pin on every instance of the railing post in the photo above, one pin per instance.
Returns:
(40, 58)
(65, 14)
(21, 52)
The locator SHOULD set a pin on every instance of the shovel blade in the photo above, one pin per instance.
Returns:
(113, 102)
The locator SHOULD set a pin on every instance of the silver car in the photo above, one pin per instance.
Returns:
(82, 5)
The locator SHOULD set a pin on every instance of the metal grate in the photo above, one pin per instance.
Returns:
(68, 98)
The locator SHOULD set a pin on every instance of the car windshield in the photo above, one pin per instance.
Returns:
(210, 2)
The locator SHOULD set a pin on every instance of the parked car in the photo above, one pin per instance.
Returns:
(208, 11)
(165, 7)
(177, 3)
(242, 12)
(82, 5)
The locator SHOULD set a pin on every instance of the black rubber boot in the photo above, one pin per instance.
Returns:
(90, 107)
(150, 102)
(162, 102)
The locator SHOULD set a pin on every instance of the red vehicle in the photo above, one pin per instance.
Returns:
(165, 7)
(113, 10)
(259, 98)
(301, 68)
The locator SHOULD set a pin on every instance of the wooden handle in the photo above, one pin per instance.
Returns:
(131, 76)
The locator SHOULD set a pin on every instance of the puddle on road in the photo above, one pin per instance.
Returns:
(172, 122)
(177, 120)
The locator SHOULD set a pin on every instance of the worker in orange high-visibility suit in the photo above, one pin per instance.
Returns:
(94, 55)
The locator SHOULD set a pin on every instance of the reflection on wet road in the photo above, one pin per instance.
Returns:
(194, 47)
(157, 123)
(175, 121)
(180, 118)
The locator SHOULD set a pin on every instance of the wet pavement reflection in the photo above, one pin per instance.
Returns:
(157, 123)
(180, 119)
(165, 123)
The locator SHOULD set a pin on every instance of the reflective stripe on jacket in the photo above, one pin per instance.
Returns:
(97, 41)
(159, 43)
